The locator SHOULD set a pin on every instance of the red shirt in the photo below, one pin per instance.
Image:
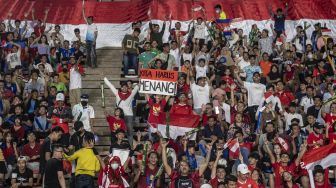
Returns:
(279, 169)
(115, 123)
(330, 118)
(193, 179)
(332, 138)
(39, 30)
(155, 110)
(214, 182)
(18, 133)
(249, 183)
(312, 139)
(144, 180)
(181, 109)
(285, 97)
(30, 152)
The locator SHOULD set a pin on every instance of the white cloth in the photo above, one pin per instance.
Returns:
(289, 117)
(177, 56)
(306, 103)
(90, 32)
(201, 95)
(47, 67)
(125, 105)
(75, 79)
(255, 93)
(14, 59)
(199, 31)
(201, 71)
(87, 114)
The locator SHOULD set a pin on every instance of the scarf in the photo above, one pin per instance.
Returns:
(123, 96)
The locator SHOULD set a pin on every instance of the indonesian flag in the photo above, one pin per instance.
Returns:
(232, 144)
(284, 145)
(177, 125)
(324, 156)
(326, 31)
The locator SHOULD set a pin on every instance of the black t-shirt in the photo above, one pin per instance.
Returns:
(50, 177)
(183, 182)
(77, 140)
(45, 147)
(22, 177)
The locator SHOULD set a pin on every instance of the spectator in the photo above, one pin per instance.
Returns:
(87, 162)
(54, 176)
(22, 176)
(84, 112)
(130, 46)
(31, 151)
(90, 40)
(168, 60)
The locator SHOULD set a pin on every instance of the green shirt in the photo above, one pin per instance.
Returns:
(60, 86)
(145, 57)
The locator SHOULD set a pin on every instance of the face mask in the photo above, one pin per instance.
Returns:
(114, 166)
(84, 103)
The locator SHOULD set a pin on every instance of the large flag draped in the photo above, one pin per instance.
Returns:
(114, 18)
(324, 156)
(176, 125)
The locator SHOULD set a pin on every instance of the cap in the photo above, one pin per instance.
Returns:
(60, 97)
(84, 97)
(22, 158)
(319, 126)
(222, 162)
(119, 131)
(206, 186)
(242, 168)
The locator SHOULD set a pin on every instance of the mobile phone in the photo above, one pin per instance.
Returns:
(217, 110)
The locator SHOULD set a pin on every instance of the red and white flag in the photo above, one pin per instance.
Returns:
(232, 144)
(178, 125)
(284, 145)
(324, 156)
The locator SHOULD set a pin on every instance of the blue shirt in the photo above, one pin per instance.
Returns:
(250, 70)
(217, 131)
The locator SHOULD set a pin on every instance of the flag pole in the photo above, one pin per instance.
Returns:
(311, 178)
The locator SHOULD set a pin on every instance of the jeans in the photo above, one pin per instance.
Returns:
(130, 132)
(84, 181)
(130, 61)
(91, 57)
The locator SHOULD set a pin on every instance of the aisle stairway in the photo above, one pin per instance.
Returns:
(109, 65)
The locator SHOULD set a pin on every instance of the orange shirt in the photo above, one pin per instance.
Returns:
(265, 67)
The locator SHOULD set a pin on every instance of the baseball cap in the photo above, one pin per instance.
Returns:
(60, 97)
(84, 97)
(242, 168)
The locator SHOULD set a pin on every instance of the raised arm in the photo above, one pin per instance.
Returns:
(111, 86)
(268, 151)
(270, 11)
(46, 11)
(214, 166)
(204, 165)
(83, 13)
(167, 168)
(11, 28)
(25, 21)
(236, 72)
(303, 149)
(286, 10)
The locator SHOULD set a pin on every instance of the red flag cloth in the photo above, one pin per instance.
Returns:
(324, 156)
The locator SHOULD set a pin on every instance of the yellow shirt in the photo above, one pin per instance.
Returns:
(87, 162)
(222, 15)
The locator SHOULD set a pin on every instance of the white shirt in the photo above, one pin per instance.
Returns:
(87, 114)
(187, 57)
(289, 117)
(255, 93)
(75, 79)
(14, 59)
(201, 71)
(177, 56)
(90, 32)
(201, 95)
(125, 105)
(242, 64)
(47, 67)
(199, 31)
(306, 103)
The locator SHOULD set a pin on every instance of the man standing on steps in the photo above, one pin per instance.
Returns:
(124, 99)
(130, 46)
(91, 38)
(84, 112)
(75, 86)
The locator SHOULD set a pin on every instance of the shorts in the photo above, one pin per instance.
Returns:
(34, 166)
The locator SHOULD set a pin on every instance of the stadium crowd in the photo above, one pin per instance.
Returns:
(263, 101)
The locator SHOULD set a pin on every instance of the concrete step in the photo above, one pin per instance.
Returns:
(103, 71)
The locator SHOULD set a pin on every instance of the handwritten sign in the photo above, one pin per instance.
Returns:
(161, 82)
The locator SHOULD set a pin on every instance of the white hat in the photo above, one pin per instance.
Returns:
(206, 186)
(242, 168)
(222, 162)
(60, 97)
